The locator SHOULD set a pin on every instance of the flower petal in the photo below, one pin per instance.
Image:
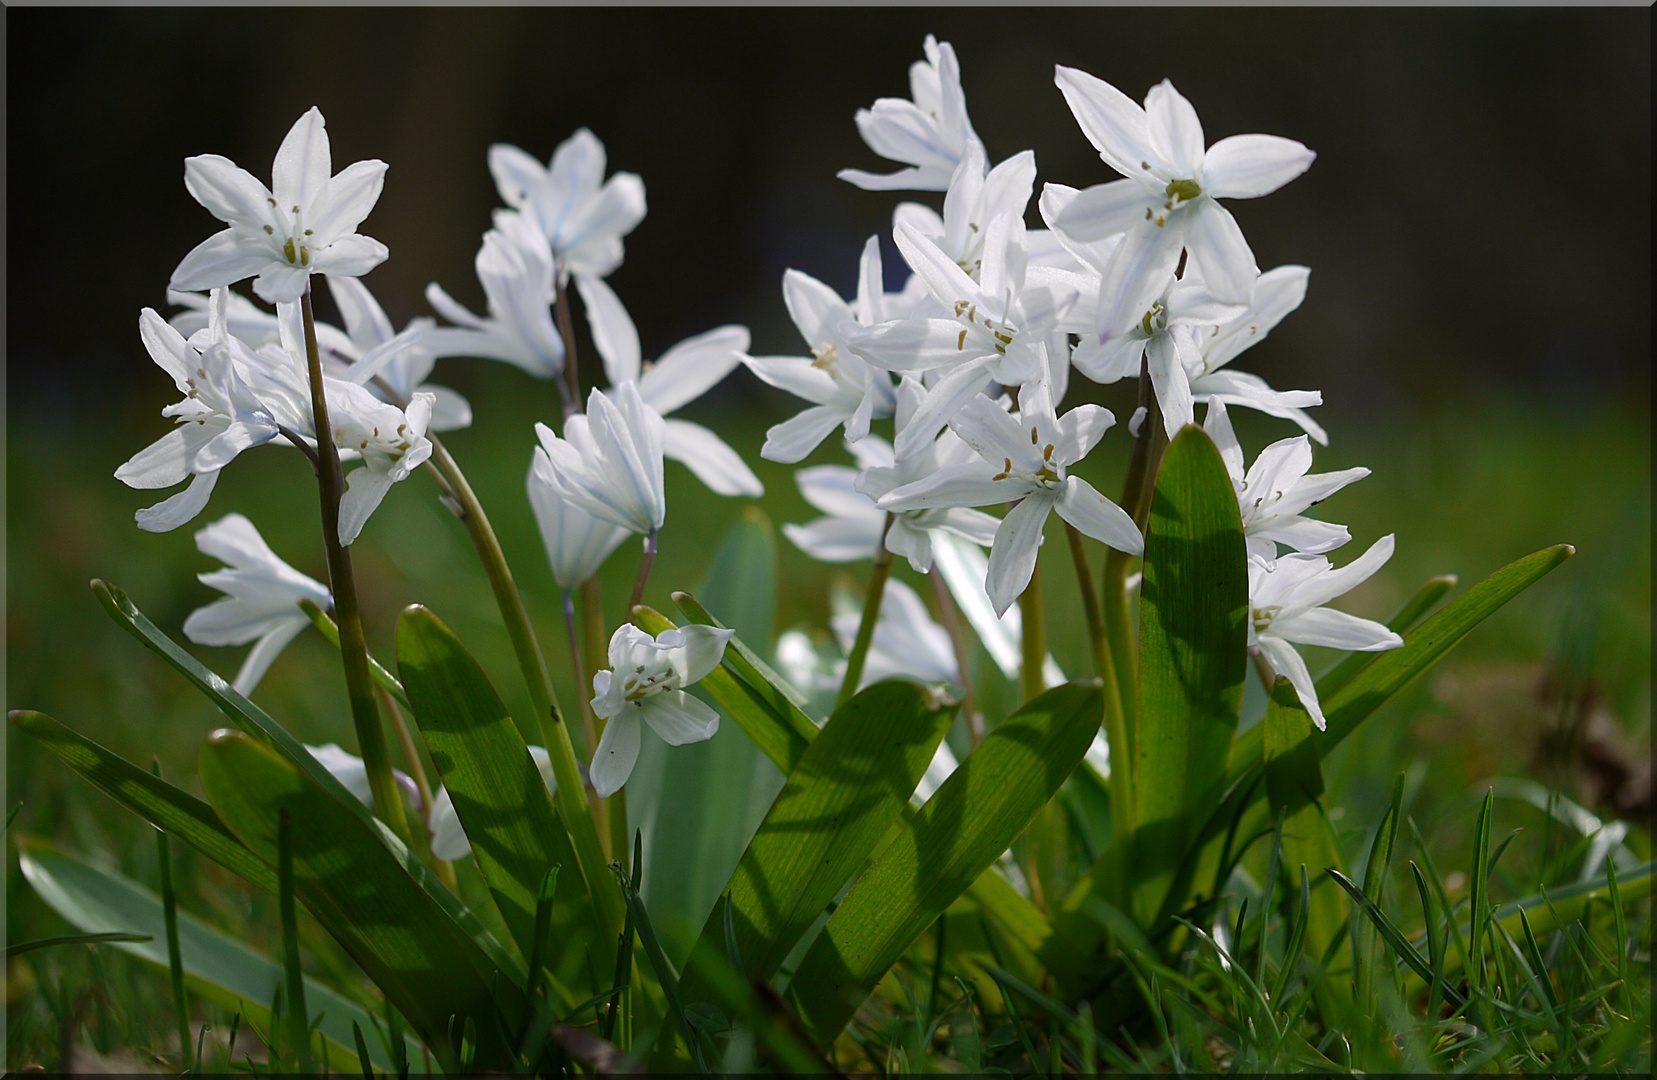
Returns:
(1221, 253)
(365, 489)
(1081, 504)
(693, 367)
(703, 649)
(1013, 555)
(229, 192)
(793, 439)
(711, 459)
(1247, 166)
(1116, 126)
(1137, 272)
(1285, 661)
(169, 514)
(836, 539)
(345, 200)
(1175, 131)
(302, 166)
(614, 334)
(943, 401)
(618, 750)
(679, 718)
(264, 652)
(349, 256)
(224, 258)
(1335, 630)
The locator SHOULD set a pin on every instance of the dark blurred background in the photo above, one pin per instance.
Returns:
(1477, 221)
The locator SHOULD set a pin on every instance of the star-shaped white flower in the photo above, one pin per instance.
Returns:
(930, 133)
(582, 215)
(262, 601)
(515, 268)
(998, 332)
(1286, 606)
(1167, 203)
(845, 389)
(647, 683)
(977, 195)
(684, 373)
(1024, 459)
(609, 461)
(220, 416)
(304, 223)
(1276, 489)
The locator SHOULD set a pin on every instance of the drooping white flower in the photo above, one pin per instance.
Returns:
(684, 373)
(1286, 606)
(646, 682)
(304, 223)
(577, 543)
(845, 389)
(448, 839)
(930, 133)
(1276, 489)
(582, 215)
(262, 601)
(1167, 201)
(515, 267)
(1024, 459)
(391, 441)
(998, 333)
(219, 417)
(609, 461)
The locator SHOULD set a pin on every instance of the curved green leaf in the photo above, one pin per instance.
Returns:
(498, 793)
(849, 786)
(258, 723)
(360, 889)
(216, 966)
(1192, 656)
(933, 857)
(156, 801)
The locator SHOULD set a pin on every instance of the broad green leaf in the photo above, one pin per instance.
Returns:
(1294, 783)
(156, 801)
(933, 857)
(498, 793)
(217, 967)
(851, 783)
(1390, 671)
(360, 889)
(1192, 657)
(698, 805)
(257, 723)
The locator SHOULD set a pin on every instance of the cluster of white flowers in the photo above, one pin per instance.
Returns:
(970, 362)
(1148, 273)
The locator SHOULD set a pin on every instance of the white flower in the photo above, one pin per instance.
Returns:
(998, 332)
(977, 196)
(906, 642)
(577, 543)
(448, 839)
(845, 389)
(852, 530)
(647, 683)
(350, 771)
(219, 417)
(304, 223)
(515, 268)
(1276, 489)
(1286, 605)
(1025, 460)
(1167, 201)
(684, 373)
(262, 602)
(609, 462)
(391, 441)
(930, 133)
(582, 215)
(399, 359)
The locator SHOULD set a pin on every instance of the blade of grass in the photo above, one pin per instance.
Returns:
(1435, 943)
(1390, 933)
(1375, 873)
(1297, 938)
(169, 915)
(18, 948)
(665, 975)
(1479, 904)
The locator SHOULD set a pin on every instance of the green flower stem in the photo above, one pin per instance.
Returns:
(577, 814)
(871, 612)
(169, 916)
(1268, 678)
(1104, 666)
(958, 642)
(1034, 638)
(589, 735)
(388, 801)
(645, 563)
(570, 388)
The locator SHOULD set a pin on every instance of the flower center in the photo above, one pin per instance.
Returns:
(1154, 320)
(296, 251)
(637, 686)
(1263, 616)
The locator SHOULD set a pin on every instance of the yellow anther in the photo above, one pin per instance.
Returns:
(961, 343)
